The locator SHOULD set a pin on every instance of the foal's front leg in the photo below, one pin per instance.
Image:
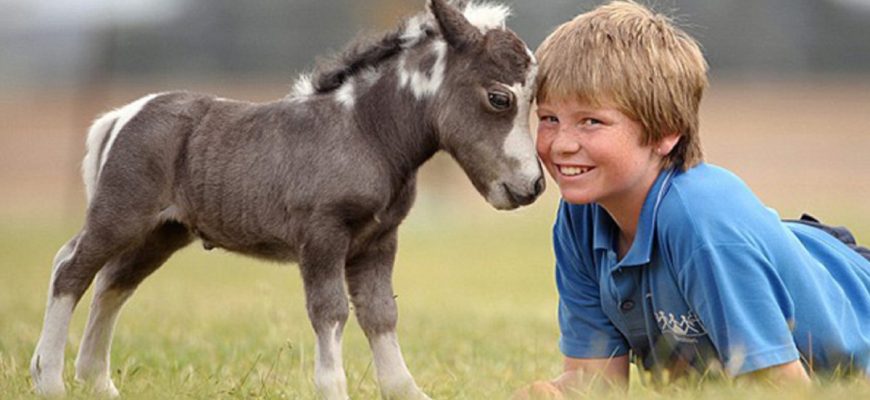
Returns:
(322, 262)
(369, 278)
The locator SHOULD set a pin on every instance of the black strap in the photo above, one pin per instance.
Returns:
(840, 232)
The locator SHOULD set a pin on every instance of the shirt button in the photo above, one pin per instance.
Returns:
(627, 305)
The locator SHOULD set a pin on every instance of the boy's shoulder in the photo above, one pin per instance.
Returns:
(710, 200)
(706, 189)
(706, 181)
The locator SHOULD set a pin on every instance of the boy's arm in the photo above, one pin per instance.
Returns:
(582, 373)
(781, 374)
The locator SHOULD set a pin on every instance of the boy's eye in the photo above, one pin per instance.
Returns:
(590, 122)
(549, 119)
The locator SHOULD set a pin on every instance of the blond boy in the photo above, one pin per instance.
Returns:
(661, 257)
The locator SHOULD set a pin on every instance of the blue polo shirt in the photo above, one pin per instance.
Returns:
(712, 276)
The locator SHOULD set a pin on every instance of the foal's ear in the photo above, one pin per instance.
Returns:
(457, 31)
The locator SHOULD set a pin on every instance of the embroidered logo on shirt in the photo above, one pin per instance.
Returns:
(684, 328)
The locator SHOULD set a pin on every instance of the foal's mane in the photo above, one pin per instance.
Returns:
(367, 52)
(371, 51)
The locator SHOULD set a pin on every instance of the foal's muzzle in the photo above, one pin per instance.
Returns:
(527, 195)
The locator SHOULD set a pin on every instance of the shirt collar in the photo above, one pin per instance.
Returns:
(605, 229)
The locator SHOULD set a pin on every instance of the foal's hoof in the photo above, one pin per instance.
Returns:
(107, 390)
(46, 389)
(42, 384)
(407, 393)
(103, 388)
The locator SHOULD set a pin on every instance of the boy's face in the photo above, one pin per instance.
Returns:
(594, 153)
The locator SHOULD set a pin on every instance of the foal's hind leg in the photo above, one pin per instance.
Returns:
(115, 283)
(370, 284)
(74, 268)
(46, 367)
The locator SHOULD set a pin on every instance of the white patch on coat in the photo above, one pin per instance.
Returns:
(303, 87)
(393, 376)
(329, 374)
(425, 83)
(345, 95)
(46, 367)
(404, 75)
(97, 134)
(124, 115)
(487, 16)
(414, 31)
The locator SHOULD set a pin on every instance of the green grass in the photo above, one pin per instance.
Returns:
(477, 317)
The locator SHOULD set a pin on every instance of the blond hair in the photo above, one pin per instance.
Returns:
(622, 54)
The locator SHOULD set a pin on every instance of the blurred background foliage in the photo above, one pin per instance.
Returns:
(787, 109)
(68, 42)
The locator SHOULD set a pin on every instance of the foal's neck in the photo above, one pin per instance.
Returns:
(400, 125)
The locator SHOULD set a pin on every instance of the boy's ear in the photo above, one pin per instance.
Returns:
(667, 143)
(457, 31)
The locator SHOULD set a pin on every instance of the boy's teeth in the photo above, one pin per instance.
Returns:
(571, 171)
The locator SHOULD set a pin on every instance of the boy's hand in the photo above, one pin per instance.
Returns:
(540, 390)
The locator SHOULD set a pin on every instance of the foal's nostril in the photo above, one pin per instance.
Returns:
(519, 198)
(539, 186)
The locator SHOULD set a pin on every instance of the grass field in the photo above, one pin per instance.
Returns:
(477, 319)
(477, 316)
(475, 287)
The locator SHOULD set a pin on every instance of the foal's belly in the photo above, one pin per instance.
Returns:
(273, 251)
(261, 246)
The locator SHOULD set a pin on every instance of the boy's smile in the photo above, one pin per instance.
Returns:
(573, 171)
(595, 154)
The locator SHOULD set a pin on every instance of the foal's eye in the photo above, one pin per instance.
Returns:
(500, 101)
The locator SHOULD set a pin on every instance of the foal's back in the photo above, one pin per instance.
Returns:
(237, 174)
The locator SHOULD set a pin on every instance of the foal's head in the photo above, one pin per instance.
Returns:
(482, 106)
(476, 80)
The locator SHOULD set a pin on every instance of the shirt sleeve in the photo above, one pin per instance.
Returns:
(743, 304)
(586, 331)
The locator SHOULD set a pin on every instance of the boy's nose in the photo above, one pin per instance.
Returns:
(564, 143)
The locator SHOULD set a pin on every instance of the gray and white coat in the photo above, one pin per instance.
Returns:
(322, 177)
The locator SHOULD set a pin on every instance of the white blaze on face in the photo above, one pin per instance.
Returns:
(518, 144)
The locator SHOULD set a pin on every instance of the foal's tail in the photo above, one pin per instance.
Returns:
(98, 135)
(101, 136)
